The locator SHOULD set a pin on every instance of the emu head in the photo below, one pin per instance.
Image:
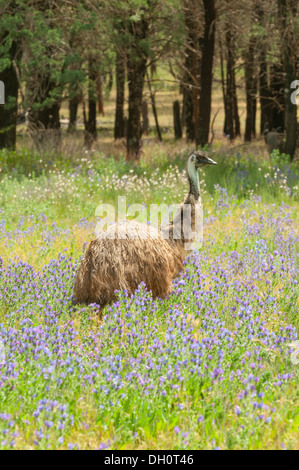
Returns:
(199, 158)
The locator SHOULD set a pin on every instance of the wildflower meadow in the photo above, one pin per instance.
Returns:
(213, 366)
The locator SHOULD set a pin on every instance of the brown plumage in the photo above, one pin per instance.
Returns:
(138, 253)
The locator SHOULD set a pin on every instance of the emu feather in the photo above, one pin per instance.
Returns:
(128, 252)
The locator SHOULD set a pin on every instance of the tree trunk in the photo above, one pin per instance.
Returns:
(250, 84)
(42, 94)
(177, 120)
(263, 81)
(232, 121)
(231, 85)
(277, 98)
(110, 81)
(230, 128)
(91, 123)
(152, 94)
(100, 97)
(145, 119)
(8, 111)
(136, 66)
(236, 108)
(224, 89)
(202, 133)
(290, 63)
(191, 83)
(188, 114)
(120, 97)
(73, 111)
(43, 115)
(254, 107)
(265, 94)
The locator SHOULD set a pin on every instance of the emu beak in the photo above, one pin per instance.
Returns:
(209, 161)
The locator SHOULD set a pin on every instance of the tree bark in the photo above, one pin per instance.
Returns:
(231, 85)
(232, 121)
(263, 78)
(8, 111)
(145, 119)
(120, 96)
(100, 97)
(236, 108)
(188, 114)
(136, 67)
(286, 10)
(277, 98)
(177, 120)
(73, 111)
(91, 123)
(154, 108)
(202, 132)
(265, 94)
(43, 98)
(251, 89)
(191, 78)
(43, 115)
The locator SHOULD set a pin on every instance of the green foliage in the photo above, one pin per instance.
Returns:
(54, 38)
(278, 158)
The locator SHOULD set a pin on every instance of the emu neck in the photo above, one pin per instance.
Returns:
(193, 181)
(176, 230)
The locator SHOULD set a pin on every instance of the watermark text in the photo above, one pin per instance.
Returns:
(2, 92)
(156, 221)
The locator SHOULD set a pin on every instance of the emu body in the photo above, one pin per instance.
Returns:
(128, 253)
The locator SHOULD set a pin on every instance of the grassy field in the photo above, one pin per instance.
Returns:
(209, 367)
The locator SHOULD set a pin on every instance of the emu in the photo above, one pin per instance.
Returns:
(139, 252)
